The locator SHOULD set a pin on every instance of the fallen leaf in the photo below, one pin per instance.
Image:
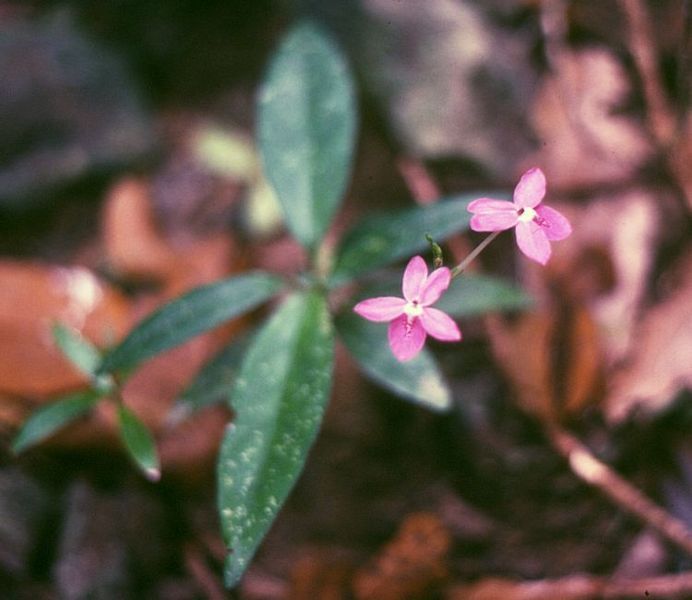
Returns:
(586, 142)
(319, 576)
(606, 264)
(134, 247)
(661, 364)
(32, 298)
(409, 565)
(552, 359)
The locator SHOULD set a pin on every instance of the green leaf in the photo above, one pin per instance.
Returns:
(48, 419)
(418, 380)
(139, 443)
(476, 294)
(306, 129)
(279, 398)
(78, 350)
(214, 382)
(380, 239)
(197, 311)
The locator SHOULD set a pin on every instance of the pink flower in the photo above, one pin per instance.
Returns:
(536, 225)
(411, 317)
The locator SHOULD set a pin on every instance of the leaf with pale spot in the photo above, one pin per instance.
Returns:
(306, 129)
(279, 399)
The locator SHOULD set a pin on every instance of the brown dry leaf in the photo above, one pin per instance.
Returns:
(608, 261)
(134, 247)
(661, 365)
(585, 141)
(316, 576)
(409, 565)
(32, 298)
(552, 359)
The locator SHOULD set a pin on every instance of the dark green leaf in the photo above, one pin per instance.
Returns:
(78, 350)
(476, 294)
(380, 239)
(279, 398)
(306, 123)
(139, 443)
(197, 311)
(418, 380)
(48, 419)
(215, 380)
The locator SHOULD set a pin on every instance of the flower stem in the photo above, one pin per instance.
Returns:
(459, 269)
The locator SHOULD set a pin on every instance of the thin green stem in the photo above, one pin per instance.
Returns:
(459, 269)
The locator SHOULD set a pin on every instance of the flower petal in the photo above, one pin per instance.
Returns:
(435, 285)
(492, 215)
(406, 340)
(384, 308)
(440, 325)
(555, 225)
(414, 278)
(531, 188)
(533, 241)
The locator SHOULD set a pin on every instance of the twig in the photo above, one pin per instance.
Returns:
(643, 49)
(596, 473)
(577, 587)
(418, 180)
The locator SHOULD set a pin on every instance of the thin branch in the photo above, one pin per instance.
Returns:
(577, 587)
(643, 49)
(596, 473)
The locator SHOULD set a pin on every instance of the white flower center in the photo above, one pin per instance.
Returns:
(413, 309)
(527, 214)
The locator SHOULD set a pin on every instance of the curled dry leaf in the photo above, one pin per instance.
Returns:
(661, 365)
(409, 565)
(608, 261)
(575, 114)
(552, 359)
(134, 246)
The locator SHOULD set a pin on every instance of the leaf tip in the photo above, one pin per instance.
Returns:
(152, 474)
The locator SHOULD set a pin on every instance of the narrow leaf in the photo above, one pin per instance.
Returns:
(306, 129)
(139, 443)
(197, 311)
(215, 381)
(380, 239)
(48, 419)
(77, 349)
(279, 398)
(476, 294)
(418, 380)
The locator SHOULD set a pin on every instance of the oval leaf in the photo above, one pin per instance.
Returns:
(472, 294)
(77, 349)
(197, 311)
(279, 398)
(418, 380)
(306, 129)
(139, 443)
(380, 239)
(48, 419)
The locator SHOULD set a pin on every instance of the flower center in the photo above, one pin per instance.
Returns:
(527, 214)
(413, 309)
